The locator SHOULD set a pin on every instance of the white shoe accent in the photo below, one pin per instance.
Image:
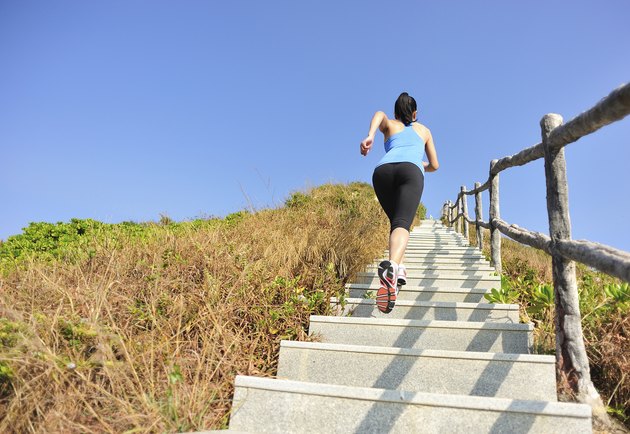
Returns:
(402, 275)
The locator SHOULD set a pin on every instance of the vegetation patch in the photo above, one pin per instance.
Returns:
(604, 305)
(142, 327)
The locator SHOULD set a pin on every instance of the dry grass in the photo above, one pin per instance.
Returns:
(149, 335)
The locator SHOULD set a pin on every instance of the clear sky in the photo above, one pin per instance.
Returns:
(125, 110)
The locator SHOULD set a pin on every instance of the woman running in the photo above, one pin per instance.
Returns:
(398, 181)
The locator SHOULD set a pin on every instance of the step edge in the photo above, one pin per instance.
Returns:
(560, 409)
(540, 359)
(395, 322)
(370, 287)
(442, 304)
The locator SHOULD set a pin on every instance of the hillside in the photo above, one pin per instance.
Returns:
(143, 327)
(110, 328)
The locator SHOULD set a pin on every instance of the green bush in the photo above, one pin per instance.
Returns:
(297, 200)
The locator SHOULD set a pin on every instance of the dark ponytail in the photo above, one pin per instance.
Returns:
(404, 108)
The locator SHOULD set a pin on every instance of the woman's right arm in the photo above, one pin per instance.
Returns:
(429, 149)
(379, 121)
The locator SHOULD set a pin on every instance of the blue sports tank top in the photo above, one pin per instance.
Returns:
(405, 146)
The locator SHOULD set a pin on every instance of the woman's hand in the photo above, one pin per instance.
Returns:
(366, 145)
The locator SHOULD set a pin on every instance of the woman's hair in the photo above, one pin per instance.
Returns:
(404, 108)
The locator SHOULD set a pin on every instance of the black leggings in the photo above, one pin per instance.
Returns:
(398, 187)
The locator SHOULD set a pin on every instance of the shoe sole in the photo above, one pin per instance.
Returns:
(386, 294)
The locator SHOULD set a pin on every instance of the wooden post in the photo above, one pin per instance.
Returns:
(456, 215)
(450, 214)
(459, 219)
(495, 235)
(465, 210)
(571, 359)
(478, 217)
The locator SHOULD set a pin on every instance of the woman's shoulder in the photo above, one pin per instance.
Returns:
(422, 130)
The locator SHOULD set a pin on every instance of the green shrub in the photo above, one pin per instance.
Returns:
(297, 200)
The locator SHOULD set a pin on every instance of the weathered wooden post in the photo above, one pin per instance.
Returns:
(455, 208)
(446, 214)
(495, 235)
(571, 359)
(449, 214)
(478, 216)
(465, 211)
(460, 229)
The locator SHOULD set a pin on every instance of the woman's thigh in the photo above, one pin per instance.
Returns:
(410, 185)
(384, 182)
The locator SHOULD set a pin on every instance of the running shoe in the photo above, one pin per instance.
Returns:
(386, 294)
(402, 275)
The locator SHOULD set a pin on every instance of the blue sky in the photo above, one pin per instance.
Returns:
(119, 110)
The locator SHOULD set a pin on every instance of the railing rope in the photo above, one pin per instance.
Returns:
(609, 109)
(604, 258)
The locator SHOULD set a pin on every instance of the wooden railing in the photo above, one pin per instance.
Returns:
(572, 361)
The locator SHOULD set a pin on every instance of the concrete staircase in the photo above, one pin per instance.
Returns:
(441, 361)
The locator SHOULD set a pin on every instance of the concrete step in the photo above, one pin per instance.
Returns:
(266, 405)
(441, 229)
(430, 335)
(456, 250)
(439, 248)
(414, 268)
(435, 231)
(471, 253)
(429, 310)
(436, 235)
(444, 253)
(419, 263)
(433, 228)
(515, 376)
(463, 295)
(441, 281)
(440, 242)
(437, 260)
(437, 243)
(436, 273)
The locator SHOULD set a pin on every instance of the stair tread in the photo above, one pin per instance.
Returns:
(406, 397)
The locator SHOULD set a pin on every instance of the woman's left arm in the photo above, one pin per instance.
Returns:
(379, 120)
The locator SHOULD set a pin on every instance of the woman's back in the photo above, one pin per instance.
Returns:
(404, 144)
(395, 127)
